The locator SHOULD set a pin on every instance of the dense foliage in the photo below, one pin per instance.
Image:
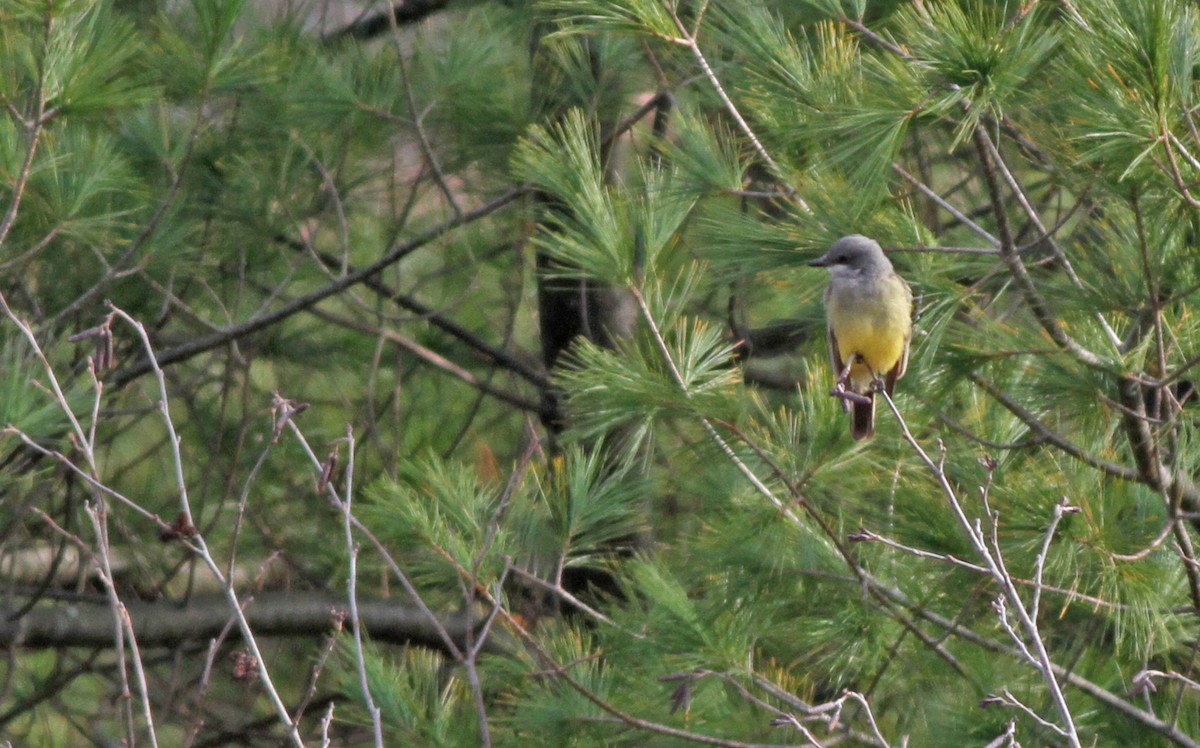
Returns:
(453, 376)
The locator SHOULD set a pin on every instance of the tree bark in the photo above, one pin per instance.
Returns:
(165, 623)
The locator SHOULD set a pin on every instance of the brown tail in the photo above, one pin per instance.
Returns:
(862, 422)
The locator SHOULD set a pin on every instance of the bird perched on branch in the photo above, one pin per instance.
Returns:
(868, 309)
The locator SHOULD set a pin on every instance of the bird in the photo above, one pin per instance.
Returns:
(868, 312)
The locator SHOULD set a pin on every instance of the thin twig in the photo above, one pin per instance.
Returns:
(121, 622)
(862, 701)
(688, 39)
(1039, 654)
(558, 590)
(1006, 698)
(433, 358)
(198, 542)
(946, 206)
(352, 595)
(1061, 508)
(1016, 267)
(1032, 213)
(418, 124)
(1146, 676)
(1071, 595)
(1141, 716)
(91, 482)
(319, 666)
(258, 322)
(1045, 432)
(59, 397)
(334, 498)
(34, 128)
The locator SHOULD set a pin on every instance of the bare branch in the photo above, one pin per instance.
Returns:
(198, 543)
(356, 627)
(1038, 653)
(1016, 267)
(403, 13)
(234, 332)
(689, 40)
(167, 623)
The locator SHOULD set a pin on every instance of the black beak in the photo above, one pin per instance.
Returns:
(820, 262)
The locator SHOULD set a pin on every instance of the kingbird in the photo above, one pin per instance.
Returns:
(868, 309)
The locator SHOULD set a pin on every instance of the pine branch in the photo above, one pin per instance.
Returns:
(255, 324)
(1016, 266)
(402, 13)
(439, 320)
(166, 623)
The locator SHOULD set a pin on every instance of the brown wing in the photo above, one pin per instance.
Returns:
(889, 381)
(834, 357)
(838, 364)
(897, 371)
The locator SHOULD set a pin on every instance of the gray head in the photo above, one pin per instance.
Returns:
(854, 256)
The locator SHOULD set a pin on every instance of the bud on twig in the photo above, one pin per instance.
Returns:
(178, 530)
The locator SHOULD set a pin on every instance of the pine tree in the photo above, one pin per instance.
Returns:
(290, 455)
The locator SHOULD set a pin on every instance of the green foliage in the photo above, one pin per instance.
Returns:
(636, 390)
(545, 709)
(617, 235)
(707, 154)
(81, 190)
(589, 507)
(976, 53)
(702, 549)
(89, 63)
(565, 162)
(1137, 87)
(437, 506)
(477, 114)
(202, 50)
(578, 515)
(622, 16)
(417, 703)
(22, 404)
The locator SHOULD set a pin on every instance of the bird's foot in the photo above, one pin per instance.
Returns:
(841, 387)
(839, 391)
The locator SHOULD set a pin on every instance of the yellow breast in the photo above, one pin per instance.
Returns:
(875, 326)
